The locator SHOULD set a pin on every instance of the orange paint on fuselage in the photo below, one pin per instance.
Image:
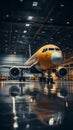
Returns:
(45, 57)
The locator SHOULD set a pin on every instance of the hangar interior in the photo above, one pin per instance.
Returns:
(25, 26)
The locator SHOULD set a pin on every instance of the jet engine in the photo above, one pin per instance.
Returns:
(61, 72)
(14, 72)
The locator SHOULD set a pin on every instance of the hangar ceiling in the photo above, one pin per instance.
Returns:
(35, 23)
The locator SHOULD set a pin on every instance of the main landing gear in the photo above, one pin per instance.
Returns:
(48, 80)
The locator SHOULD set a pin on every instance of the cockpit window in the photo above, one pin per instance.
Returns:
(50, 49)
(44, 50)
(57, 49)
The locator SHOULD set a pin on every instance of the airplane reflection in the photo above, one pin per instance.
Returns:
(15, 124)
(49, 109)
(29, 101)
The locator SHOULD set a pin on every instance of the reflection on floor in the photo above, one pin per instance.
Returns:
(32, 105)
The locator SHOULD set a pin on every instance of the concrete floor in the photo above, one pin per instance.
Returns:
(31, 103)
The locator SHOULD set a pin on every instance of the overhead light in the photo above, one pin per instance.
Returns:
(68, 22)
(7, 15)
(43, 32)
(58, 32)
(21, 0)
(59, 42)
(34, 3)
(23, 36)
(27, 126)
(25, 31)
(30, 17)
(6, 41)
(62, 5)
(51, 19)
(16, 30)
(14, 52)
(27, 24)
(21, 41)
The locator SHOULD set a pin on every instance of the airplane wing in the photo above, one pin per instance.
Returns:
(10, 66)
(27, 65)
(67, 61)
(31, 62)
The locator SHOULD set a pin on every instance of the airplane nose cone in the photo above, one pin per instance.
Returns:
(56, 58)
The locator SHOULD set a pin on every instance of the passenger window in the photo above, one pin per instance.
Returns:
(50, 49)
(44, 50)
(57, 49)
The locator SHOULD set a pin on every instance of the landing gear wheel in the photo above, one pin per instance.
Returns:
(50, 80)
(42, 79)
(50, 83)
(49, 86)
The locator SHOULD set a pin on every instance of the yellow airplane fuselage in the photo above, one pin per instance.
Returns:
(44, 56)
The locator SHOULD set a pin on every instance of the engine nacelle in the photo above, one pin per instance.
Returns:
(61, 72)
(38, 68)
(14, 72)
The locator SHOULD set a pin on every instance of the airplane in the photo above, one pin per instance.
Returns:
(47, 59)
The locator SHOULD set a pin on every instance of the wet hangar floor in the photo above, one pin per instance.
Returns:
(30, 105)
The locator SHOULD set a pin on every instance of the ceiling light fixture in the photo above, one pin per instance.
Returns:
(35, 3)
(27, 24)
(7, 15)
(30, 17)
(43, 32)
(21, 0)
(68, 22)
(25, 31)
(62, 5)
(51, 19)
(16, 31)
